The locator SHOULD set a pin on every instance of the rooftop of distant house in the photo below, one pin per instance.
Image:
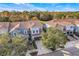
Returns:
(63, 22)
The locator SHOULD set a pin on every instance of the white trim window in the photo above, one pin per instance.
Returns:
(35, 30)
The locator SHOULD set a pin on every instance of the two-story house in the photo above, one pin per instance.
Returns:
(30, 29)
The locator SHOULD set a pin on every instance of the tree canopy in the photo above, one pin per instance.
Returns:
(54, 38)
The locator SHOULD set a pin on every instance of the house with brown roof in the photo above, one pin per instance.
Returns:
(65, 25)
(30, 29)
(60, 22)
(4, 27)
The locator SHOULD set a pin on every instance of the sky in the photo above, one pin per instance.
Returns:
(59, 7)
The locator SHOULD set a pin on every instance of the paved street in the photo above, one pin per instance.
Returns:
(71, 49)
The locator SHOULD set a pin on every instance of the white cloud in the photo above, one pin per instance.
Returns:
(21, 7)
(30, 7)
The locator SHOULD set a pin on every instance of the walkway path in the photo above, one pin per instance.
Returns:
(41, 48)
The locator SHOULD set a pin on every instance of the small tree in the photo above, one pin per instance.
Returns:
(20, 45)
(53, 38)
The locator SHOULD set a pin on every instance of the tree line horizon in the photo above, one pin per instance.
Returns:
(15, 16)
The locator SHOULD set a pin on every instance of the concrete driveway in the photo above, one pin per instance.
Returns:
(41, 48)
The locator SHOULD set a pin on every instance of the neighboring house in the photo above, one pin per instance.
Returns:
(4, 27)
(69, 29)
(29, 29)
(77, 28)
(65, 25)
